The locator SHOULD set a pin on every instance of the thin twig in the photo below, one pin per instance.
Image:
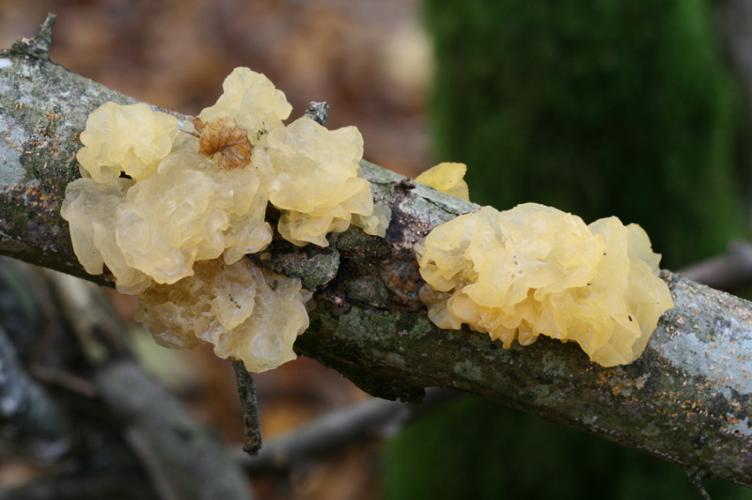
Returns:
(182, 459)
(64, 379)
(249, 406)
(337, 430)
(696, 477)
(728, 271)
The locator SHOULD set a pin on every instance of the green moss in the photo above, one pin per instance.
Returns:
(12, 215)
(513, 456)
(367, 290)
(314, 269)
(599, 108)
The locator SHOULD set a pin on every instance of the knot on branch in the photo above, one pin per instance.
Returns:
(37, 47)
(318, 111)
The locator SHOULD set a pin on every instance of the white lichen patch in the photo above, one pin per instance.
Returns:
(534, 270)
(11, 170)
(5, 63)
(731, 363)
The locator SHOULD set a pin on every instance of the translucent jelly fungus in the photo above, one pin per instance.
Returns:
(447, 178)
(189, 211)
(90, 208)
(129, 138)
(246, 313)
(535, 270)
(170, 208)
(252, 101)
(316, 180)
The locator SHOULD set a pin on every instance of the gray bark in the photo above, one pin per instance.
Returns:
(688, 399)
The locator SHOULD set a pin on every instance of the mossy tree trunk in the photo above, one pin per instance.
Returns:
(600, 108)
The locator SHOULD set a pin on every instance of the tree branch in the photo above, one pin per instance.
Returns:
(688, 399)
(729, 271)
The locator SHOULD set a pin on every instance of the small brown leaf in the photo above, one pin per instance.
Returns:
(224, 137)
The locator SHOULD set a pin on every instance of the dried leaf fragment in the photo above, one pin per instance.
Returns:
(223, 136)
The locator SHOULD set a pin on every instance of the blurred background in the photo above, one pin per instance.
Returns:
(635, 108)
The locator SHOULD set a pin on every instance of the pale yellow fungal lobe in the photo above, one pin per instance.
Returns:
(171, 212)
(375, 224)
(190, 210)
(448, 178)
(125, 138)
(535, 270)
(90, 209)
(246, 313)
(252, 101)
(316, 182)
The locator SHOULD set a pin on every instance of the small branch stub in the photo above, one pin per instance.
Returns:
(318, 111)
(37, 47)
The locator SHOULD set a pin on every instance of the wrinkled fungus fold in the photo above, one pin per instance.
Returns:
(244, 312)
(170, 209)
(448, 178)
(535, 270)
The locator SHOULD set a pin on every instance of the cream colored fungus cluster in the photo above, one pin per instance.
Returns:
(170, 209)
(535, 270)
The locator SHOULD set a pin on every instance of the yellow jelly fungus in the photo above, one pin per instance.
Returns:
(171, 212)
(89, 208)
(375, 224)
(182, 214)
(246, 313)
(125, 138)
(447, 178)
(535, 270)
(252, 101)
(316, 180)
